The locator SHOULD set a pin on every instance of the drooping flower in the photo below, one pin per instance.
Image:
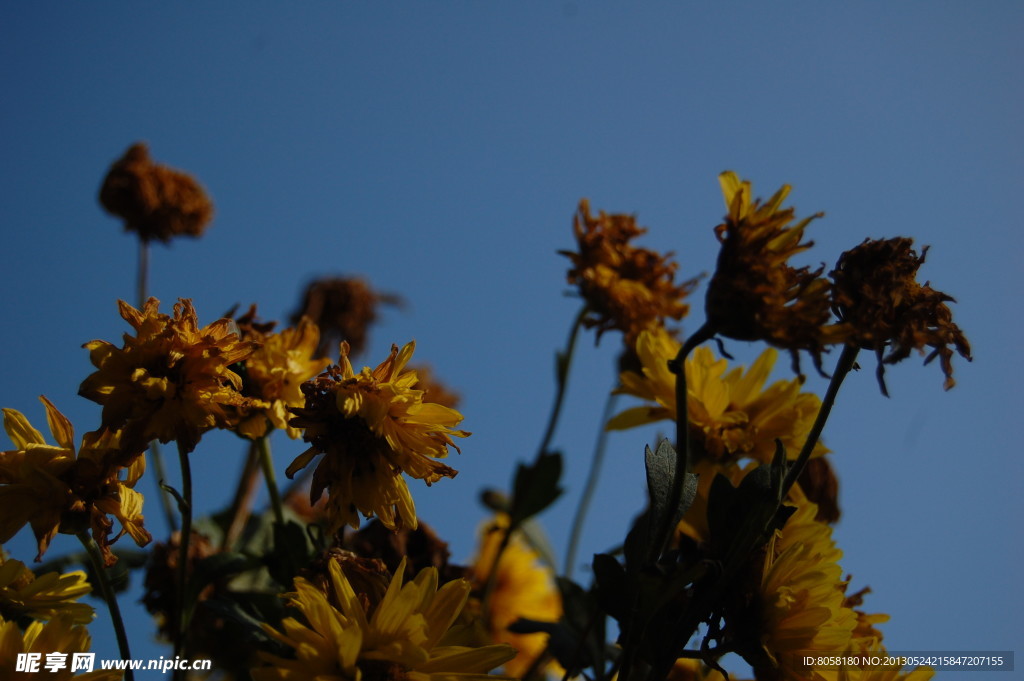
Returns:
(343, 308)
(54, 489)
(43, 597)
(61, 638)
(523, 589)
(372, 427)
(172, 380)
(732, 414)
(154, 201)
(755, 294)
(274, 373)
(626, 287)
(877, 296)
(404, 637)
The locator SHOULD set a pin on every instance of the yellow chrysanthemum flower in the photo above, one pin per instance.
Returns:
(626, 287)
(403, 637)
(59, 636)
(274, 375)
(172, 380)
(23, 594)
(372, 426)
(800, 602)
(755, 294)
(523, 588)
(732, 415)
(54, 489)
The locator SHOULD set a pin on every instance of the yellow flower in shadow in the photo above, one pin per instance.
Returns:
(800, 605)
(54, 489)
(23, 594)
(59, 635)
(372, 427)
(523, 588)
(403, 637)
(732, 414)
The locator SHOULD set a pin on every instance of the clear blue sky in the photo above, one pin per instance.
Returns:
(439, 149)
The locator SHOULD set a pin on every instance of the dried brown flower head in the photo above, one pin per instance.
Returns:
(155, 201)
(343, 308)
(878, 297)
(755, 294)
(421, 548)
(433, 389)
(627, 288)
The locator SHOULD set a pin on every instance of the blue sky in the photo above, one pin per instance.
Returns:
(440, 149)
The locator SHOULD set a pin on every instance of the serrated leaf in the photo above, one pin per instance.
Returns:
(667, 504)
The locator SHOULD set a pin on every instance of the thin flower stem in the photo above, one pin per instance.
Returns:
(245, 492)
(632, 669)
(142, 280)
(161, 477)
(706, 598)
(142, 289)
(562, 378)
(564, 363)
(593, 476)
(846, 361)
(267, 462)
(181, 614)
(96, 558)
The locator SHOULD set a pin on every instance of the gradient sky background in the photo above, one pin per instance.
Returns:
(440, 149)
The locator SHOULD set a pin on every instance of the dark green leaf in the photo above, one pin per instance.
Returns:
(536, 487)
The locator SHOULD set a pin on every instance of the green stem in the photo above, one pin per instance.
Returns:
(846, 361)
(632, 668)
(181, 614)
(562, 378)
(98, 567)
(161, 477)
(267, 463)
(142, 286)
(596, 463)
(564, 363)
(708, 595)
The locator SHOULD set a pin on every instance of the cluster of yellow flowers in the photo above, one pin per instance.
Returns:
(383, 603)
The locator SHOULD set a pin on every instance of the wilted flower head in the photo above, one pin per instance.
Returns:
(54, 489)
(406, 637)
(371, 427)
(154, 200)
(272, 376)
(626, 287)
(878, 297)
(755, 294)
(172, 380)
(343, 308)
(43, 597)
